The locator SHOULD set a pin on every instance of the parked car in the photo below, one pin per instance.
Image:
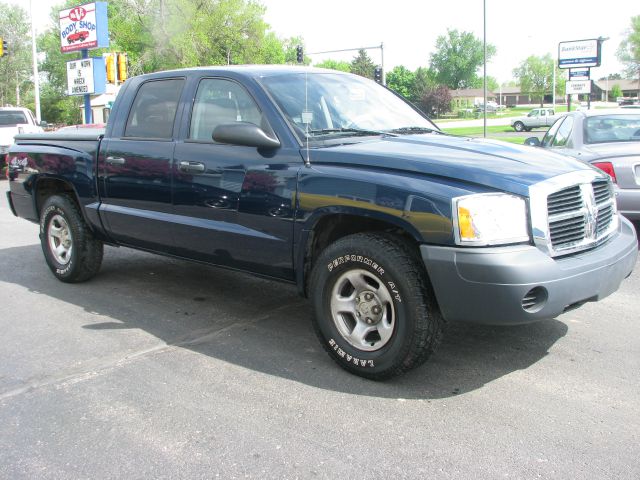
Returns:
(329, 181)
(608, 140)
(538, 117)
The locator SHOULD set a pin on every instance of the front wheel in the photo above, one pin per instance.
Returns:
(69, 247)
(375, 312)
(518, 126)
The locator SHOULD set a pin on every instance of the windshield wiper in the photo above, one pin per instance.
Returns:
(411, 130)
(353, 131)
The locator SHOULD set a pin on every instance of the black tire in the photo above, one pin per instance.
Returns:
(83, 255)
(411, 313)
(528, 129)
(518, 126)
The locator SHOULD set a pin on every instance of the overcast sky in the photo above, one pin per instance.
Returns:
(409, 28)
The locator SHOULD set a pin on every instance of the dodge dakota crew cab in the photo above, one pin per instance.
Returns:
(332, 182)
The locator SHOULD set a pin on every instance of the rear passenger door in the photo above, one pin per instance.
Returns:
(136, 168)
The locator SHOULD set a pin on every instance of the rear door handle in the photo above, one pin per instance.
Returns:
(116, 160)
(192, 167)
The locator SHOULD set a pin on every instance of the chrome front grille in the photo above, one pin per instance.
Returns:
(566, 200)
(573, 212)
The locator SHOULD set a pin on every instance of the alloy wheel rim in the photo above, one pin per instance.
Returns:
(362, 310)
(60, 239)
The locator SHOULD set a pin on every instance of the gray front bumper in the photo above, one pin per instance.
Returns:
(487, 285)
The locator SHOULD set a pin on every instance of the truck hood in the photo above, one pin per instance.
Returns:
(500, 165)
(7, 134)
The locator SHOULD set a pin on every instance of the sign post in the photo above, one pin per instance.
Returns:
(83, 28)
(579, 55)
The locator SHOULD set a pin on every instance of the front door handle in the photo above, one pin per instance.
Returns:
(116, 160)
(192, 167)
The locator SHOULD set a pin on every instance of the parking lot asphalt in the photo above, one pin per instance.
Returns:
(159, 368)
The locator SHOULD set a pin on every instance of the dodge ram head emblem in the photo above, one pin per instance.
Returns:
(590, 213)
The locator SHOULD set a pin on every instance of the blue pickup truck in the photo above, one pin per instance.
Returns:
(334, 183)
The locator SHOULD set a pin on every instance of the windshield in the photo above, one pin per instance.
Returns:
(9, 118)
(321, 105)
(612, 128)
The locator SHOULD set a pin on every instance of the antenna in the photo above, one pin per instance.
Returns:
(306, 117)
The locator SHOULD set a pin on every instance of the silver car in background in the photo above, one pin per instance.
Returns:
(608, 140)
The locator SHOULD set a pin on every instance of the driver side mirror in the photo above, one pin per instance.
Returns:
(244, 133)
(532, 141)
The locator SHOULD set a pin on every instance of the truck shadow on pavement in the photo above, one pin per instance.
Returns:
(263, 325)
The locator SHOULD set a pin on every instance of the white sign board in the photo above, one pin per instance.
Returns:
(579, 53)
(578, 86)
(80, 77)
(84, 27)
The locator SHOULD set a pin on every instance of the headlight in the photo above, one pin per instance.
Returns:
(490, 219)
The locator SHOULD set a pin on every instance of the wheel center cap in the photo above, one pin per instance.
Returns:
(369, 307)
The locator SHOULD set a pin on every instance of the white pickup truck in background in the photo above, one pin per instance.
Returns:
(538, 117)
(15, 120)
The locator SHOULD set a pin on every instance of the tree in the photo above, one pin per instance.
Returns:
(436, 100)
(457, 59)
(401, 80)
(335, 65)
(615, 92)
(535, 75)
(363, 65)
(492, 84)
(15, 66)
(629, 50)
(612, 76)
(423, 81)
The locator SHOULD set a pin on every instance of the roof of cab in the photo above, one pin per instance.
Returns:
(249, 70)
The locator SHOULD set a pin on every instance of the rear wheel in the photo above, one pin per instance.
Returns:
(69, 247)
(375, 312)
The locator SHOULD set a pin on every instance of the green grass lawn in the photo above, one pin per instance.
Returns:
(510, 112)
(467, 131)
(477, 132)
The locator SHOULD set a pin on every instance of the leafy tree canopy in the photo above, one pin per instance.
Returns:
(629, 50)
(335, 65)
(535, 75)
(15, 66)
(400, 79)
(457, 57)
(363, 65)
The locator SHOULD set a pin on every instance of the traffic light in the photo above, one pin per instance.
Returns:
(3, 47)
(300, 54)
(377, 75)
(123, 62)
(110, 62)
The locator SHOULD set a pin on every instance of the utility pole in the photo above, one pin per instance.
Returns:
(36, 80)
(484, 113)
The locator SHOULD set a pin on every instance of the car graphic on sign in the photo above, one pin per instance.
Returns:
(80, 36)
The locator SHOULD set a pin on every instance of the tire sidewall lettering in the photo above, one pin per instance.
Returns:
(59, 269)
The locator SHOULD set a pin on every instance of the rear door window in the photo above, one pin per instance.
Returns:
(154, 109)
